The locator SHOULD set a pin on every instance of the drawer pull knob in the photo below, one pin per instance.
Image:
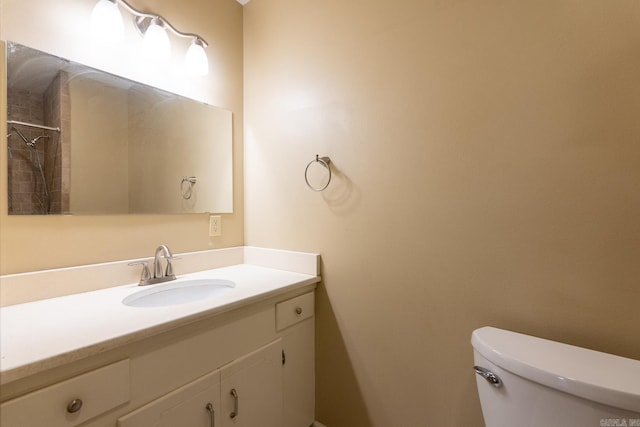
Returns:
(74, 406)
(298, 311)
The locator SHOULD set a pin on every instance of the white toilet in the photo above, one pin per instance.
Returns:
(532, 382)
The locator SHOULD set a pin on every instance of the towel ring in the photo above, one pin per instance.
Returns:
(324, 161)
(188, 190)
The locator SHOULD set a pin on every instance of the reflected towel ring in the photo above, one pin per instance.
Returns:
(324, 161)
(187, 191)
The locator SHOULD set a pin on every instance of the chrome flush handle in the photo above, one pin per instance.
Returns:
(491, 378)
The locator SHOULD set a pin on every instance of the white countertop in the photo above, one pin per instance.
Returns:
(44, 334)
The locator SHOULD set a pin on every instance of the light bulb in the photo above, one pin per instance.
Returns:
(196, 59)
(156, 41)
(106, 21)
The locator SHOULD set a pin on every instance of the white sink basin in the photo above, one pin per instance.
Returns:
(178, 292)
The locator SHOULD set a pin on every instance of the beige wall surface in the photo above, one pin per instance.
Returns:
(486, 172)
(62, 27)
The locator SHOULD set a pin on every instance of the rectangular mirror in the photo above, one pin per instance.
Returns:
(82, 141)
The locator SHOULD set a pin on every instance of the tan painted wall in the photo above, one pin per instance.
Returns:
(487, 170)
(61, 27)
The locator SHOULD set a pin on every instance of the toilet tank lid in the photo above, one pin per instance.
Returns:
(601, 377)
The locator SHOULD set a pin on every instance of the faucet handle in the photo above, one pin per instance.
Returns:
(145, 276)
(169, 270)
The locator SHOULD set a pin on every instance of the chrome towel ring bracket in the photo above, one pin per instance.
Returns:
(187, 190)
(324, 162)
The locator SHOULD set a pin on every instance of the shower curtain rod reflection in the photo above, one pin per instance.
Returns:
(15, 122)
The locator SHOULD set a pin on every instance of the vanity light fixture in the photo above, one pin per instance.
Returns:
(106, 21)
(107, 24)
(156, 41)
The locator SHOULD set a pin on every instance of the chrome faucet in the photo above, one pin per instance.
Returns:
(157, 267)
(158, 275)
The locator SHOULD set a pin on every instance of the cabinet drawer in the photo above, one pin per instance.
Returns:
(99, 391)
(294, 310)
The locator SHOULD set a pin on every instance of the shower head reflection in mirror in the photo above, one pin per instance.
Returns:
(29, 186)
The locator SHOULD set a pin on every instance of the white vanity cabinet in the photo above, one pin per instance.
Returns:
(246, 392)
(272, 385)
(250, 366)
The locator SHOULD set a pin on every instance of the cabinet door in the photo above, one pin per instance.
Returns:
(295, 323)
(251, 390)
(196, 404)
(299, 374)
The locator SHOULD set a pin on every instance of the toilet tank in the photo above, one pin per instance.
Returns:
(546, 383)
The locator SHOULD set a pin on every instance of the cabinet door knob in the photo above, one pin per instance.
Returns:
(298, 311)
(74, 406)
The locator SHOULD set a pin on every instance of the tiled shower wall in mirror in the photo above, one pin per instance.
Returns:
(38, 160)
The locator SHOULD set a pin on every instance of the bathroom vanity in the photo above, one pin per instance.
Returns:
(243, 358)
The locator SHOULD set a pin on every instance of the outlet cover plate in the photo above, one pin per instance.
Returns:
(215, 225)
